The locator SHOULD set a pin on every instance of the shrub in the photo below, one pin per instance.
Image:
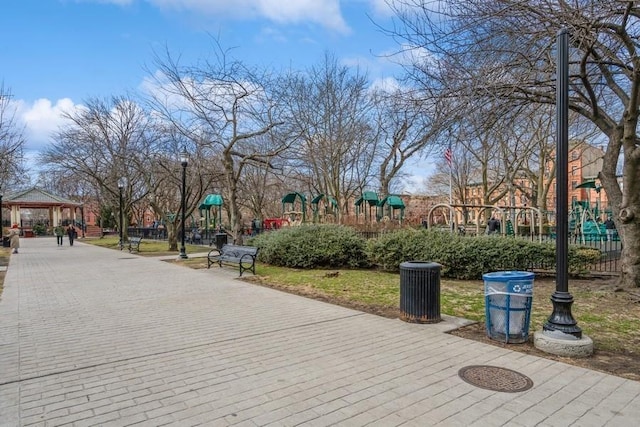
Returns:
(581, 258)
(470, 257)
(39, 229)
(310, 246)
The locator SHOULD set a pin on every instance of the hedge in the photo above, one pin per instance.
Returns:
(334, 246)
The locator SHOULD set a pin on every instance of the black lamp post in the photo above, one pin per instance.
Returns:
(183, 162)
(82, 219)
(122, 182)
(561, 319)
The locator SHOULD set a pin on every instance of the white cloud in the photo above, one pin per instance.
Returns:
(323, 12)
(42, 119)
(386, 84)
(381, 8)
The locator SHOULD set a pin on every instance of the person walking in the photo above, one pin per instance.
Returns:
(493, 226)
(14, 238)
(59, 232)
(71, 232)
(610, 228)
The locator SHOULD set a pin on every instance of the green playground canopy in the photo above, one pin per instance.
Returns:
(211, 200)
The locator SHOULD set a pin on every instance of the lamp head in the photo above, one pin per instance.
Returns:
(184, 157)
(122, 182)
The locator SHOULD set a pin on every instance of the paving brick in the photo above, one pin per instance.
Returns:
(136, 341)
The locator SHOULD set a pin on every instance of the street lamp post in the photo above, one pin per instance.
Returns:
(82, 219)
(1, 229)
(183, 162)
(122, 182)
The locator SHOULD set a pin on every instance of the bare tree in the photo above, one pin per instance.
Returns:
(505, 48)
(12, 143)
(163, 179)
(330, 109)
(223, 108)
(405, 126)
(100, 143)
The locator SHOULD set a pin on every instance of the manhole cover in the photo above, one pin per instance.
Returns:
(495, 378)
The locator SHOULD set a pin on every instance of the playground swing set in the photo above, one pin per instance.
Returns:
(510, 218)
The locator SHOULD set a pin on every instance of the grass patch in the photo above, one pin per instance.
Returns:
(148, 247)
(610, 317)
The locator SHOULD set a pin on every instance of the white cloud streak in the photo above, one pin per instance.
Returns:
(41, 119)
(326, 13)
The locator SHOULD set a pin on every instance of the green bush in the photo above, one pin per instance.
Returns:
(39, 229)
(310, 246)
(469, 257)
(581, 257)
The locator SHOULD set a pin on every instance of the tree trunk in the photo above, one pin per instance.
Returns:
(625, 200)
(630, 258)
(172, 236)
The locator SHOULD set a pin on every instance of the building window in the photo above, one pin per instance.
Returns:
(574, 184)
(575, 154)
(574, 169)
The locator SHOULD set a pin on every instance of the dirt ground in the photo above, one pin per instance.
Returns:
(622, 364)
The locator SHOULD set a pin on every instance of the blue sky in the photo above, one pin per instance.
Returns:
(56, 54)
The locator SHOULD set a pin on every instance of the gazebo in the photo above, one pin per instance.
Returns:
(37, 198)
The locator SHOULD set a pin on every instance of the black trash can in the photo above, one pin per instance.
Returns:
(6, 242)
(420, 292)
(220, 239)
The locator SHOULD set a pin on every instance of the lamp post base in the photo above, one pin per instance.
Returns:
(561, 319)
(183, 253)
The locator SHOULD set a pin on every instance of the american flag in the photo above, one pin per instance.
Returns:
(448, 155)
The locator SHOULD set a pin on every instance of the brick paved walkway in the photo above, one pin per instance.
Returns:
(92, 336)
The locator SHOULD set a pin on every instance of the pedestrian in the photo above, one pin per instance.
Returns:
(610, 227)
(71, 232)
(59, 232)
(14, 238)
(493, 226)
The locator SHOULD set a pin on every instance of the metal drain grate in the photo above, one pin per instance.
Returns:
(495, 378)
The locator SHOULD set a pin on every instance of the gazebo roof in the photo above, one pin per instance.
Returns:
(368, 196)
(291, 197)
(211, 200)
(393, 201)
(36, 198)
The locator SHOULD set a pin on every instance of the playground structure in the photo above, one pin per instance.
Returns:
(390, 208)
(393, 205)
(367, 202)
(586, 217)
(324, 209)
(211, 201)
(585, 222)
(509, 216)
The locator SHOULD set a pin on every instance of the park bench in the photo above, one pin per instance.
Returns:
(134, 244)
(243, 256)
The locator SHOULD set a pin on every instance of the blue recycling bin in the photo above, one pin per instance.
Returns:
(508, 297)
